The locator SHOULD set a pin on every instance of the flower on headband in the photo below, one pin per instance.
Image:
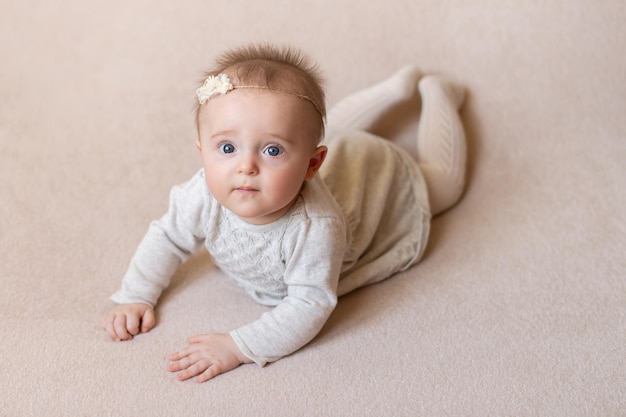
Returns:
(213, 86)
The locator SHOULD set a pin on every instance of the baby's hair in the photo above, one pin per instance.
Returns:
(276, 68)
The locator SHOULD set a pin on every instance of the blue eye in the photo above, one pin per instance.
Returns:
(227, 148)
(273, 151)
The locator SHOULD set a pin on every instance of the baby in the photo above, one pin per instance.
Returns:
(295, 215)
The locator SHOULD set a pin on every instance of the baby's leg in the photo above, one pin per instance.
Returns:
(363, 109)
(441, 146)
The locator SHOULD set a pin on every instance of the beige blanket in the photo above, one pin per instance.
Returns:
(517, 308)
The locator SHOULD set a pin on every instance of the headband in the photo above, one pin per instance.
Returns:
(220, 84)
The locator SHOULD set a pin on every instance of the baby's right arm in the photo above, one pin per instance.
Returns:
(125, 321)
(168, 242)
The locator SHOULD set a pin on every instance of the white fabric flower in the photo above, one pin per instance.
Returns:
(213, 86)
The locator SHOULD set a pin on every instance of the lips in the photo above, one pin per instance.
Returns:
(246, 189)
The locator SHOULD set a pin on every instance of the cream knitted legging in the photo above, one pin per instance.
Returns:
(441, 147)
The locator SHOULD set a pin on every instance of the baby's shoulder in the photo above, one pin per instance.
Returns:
(193, 198)
(317, 216)
(318, 202)
(193, 187)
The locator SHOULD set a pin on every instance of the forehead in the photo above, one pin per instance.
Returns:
(259, 110)
(244, 103)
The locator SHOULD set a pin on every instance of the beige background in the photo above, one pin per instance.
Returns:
(518, 308)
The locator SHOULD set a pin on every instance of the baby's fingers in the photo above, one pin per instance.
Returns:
(108, 323)
(148, 320)
(184, 353)
(202, 369)
(189, 364)
(132, 324)
(120, 330)
(210, 372)
(193, 370)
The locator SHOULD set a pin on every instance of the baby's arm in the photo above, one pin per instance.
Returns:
(312, 270)
(311, 277)
(125, 321)
(169, 242)
(279, 332)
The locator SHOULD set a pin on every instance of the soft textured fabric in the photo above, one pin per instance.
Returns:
(362, 219)
(385, 201)
(439, 145)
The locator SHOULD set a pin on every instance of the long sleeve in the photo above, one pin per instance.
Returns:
(168, 242)
(315, 252)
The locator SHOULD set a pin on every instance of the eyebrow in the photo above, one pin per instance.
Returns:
(221, 133)
(265, 135)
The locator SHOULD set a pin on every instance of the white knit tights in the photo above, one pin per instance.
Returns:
(441, 147)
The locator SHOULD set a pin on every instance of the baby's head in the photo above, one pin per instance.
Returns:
(280, 69)
(260, 122)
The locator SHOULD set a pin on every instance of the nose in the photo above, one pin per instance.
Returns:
(247, 165)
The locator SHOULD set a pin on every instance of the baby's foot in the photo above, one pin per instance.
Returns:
(403, 82)
(454, 92)
(364, 109)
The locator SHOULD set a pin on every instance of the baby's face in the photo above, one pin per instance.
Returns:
(257, 151)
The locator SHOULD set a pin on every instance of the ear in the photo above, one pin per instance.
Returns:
(315, 163)
(198, 145)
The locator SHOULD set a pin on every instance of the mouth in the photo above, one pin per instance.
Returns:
(246, 189)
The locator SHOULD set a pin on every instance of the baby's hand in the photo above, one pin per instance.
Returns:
(125, 321)
(206, 357)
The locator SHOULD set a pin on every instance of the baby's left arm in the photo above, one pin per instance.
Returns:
(312, 269)
(285, 329)
(311, 277)
(288, 327)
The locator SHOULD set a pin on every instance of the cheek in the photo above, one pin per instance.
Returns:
(214, 176)
(290, 179)
(218, 186)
